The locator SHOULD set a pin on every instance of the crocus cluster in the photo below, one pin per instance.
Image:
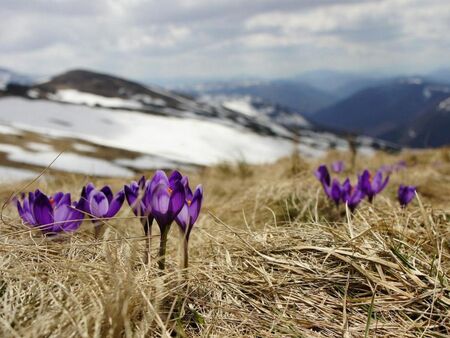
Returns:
(161, 198)
(165, 200)
(349, 194)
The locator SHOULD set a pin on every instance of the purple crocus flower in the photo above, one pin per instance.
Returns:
(136, 196)
(168, 197)
(100, 203)
(372, 187)
(350, 195)
(338, 166)
(52, 214)
(331, 189)
(191, 209)
(167, 200)
(323, 175)
(188, 215)
(405, 194)
(334, 191)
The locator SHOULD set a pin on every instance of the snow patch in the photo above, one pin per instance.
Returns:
(69, 162)
(241, 105)
(39, 146)
(146, 99)
(444, 105)
(8, 174)
(92, 100)
(4, 129)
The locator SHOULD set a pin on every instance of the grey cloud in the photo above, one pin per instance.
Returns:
(153, 38)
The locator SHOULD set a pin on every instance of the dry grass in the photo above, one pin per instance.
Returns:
(270, 257)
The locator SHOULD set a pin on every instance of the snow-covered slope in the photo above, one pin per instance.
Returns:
(187, 140)
(259, 109)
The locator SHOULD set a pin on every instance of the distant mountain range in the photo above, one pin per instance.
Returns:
(296, 95)
(403, 111)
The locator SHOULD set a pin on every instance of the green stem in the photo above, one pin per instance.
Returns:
(162, 248)
(185, 253)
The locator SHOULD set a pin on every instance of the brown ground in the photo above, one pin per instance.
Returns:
(269, 257)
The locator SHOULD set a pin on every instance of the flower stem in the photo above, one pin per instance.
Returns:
(148, 240)
(98, 227)
(185, 253)
(162, 248)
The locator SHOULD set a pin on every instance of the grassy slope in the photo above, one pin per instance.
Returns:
(270, 257)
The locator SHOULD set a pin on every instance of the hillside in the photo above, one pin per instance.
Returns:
(378, 111)
(270, 257)
(428, 130)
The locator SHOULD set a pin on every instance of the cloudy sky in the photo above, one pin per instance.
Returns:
(158, 39)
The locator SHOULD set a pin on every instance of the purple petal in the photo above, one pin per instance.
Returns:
(116, 204)
(160, 205)
(42, 210)
(98, 204)
(196, 204)
(108, 193)
(74, 220)
(62, 212)
(141, 182)
(57, 197)
(83, 203)
(160, 199)
(335, 193)
(159, 177)
(90, 187)
(177, 199)
(131, 197)
(64, 199)
(183, 218)
(406, 194)
(377, 181)
(25, 213)
(174, 177)
(337, 166)
(355, 199)
(323, 175)
(383, 185)
(187, 189)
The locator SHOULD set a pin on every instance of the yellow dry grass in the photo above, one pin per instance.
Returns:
(270, 257)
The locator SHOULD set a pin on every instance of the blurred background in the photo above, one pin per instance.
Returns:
(120, 87)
